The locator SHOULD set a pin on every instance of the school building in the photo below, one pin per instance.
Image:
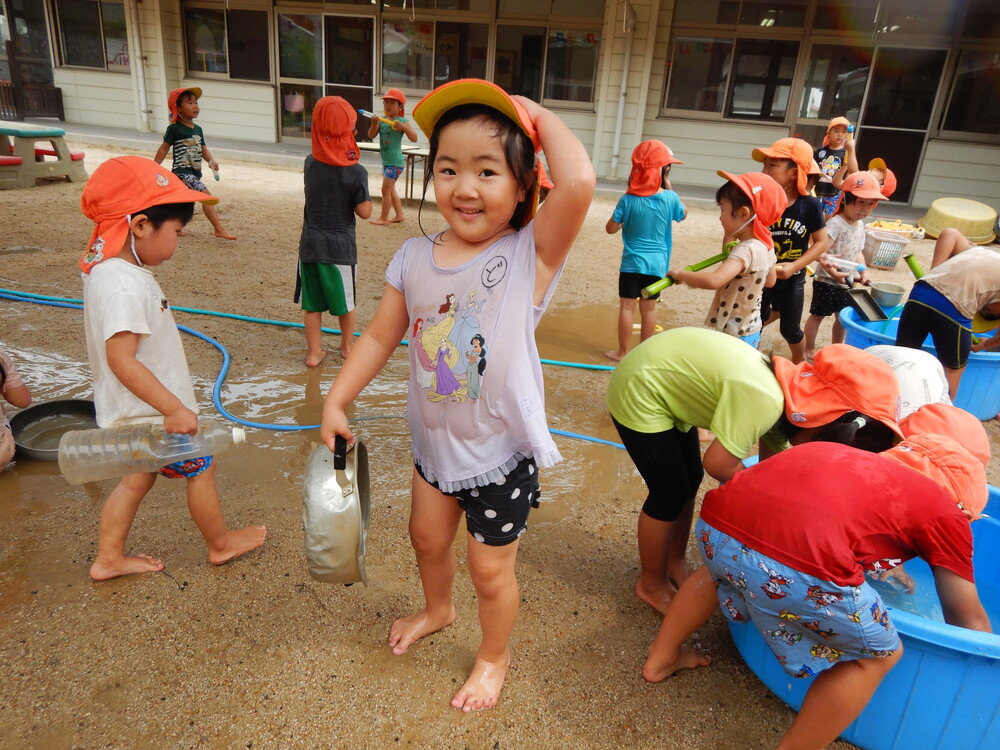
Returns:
(711, 78)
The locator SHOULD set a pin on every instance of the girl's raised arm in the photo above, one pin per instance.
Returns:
(559, 219)
(368, 357)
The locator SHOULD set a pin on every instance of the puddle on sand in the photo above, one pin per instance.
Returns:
(585, 332)
(23, 249)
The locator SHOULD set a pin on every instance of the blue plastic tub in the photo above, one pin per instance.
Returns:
(979, 392)
(943, 693)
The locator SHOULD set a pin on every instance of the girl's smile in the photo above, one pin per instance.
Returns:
(475, 188)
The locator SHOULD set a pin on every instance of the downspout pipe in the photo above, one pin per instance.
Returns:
(628, 24)
(138, 64)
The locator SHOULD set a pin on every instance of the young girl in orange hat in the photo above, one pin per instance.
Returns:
(390, 143)
(477, 444)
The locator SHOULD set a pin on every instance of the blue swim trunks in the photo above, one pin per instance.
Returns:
(391, 172)
(187, 468)
(808, 623)
(191, 181)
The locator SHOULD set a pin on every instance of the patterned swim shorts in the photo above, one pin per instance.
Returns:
(392, 173)
(192, 182)
(808, 623)
(186, 469)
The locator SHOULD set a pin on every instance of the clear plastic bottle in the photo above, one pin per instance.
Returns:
(91, 455)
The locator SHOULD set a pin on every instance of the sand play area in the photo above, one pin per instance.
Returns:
(255, 653)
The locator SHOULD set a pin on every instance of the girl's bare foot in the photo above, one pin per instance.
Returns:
(222, 234)
(656, 597)
(314, 359)
(408, 630)
(101, 571)
(482, 688)
(615, 356)
(379, 221)
(238, 543)
(397, 219)
(657, 670)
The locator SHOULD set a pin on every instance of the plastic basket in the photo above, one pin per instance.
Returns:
(883, 249)
(894, 226)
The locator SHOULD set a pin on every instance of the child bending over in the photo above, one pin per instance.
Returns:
(478, 443)
(188, 143)
(136, 357)
(861, 193)
(15, 392)
(787, 546)
(748, 205)
(645, 214)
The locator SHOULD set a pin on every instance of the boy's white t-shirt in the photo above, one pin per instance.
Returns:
(462, 442)
(736, 307)
(119, 296)
(847, 239)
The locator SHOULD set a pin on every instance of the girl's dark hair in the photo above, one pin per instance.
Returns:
(664, 176)
(517, 148)
(849, 198)
(853, 428)
(164, 212)
(732, 193)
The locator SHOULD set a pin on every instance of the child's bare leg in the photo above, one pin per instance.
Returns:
(116, 521)
(835, 699)
(492, 570)
(813, 322)
(647, 318)
(388, 190)
(347, 332)
(656, 539)
(434, 521)
(397, 204)
(626, 313)
(203, 505)
(954, 377)
(314, 351)
(839, 334)
(798, 350)
(213, 216)
(692, 606)
(677, 566)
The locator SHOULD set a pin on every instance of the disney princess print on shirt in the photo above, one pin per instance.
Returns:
(450, 350)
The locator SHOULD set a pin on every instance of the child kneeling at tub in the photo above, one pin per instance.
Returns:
(794, 563)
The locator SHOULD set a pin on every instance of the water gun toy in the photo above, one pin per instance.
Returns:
(701, 265)
(372, 115)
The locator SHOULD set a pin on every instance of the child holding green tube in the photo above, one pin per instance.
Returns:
(748, 205)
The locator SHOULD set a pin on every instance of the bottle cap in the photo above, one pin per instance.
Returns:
(239, 435)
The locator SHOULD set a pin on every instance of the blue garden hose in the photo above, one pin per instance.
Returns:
(42, 299)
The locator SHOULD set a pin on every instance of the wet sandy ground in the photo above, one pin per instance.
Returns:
(256, 654)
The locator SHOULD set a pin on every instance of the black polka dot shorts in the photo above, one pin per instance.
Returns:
(497, 514)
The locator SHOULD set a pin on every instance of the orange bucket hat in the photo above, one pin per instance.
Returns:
(842, 122)
(174, 95)
(958, 472)
(118, 188)
(648, 158)
(798, 151)
(398, 96)
(956, 423)
(842, 378)
(862, 185)
(333, 123)
(767, 198)
(889, 182)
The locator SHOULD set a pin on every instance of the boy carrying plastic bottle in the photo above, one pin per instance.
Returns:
(139, 370)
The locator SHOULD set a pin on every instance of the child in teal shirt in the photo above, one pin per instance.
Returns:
(390, 141)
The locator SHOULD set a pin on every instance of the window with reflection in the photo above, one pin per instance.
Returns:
(723, 12)
(762, 79)
(520, 51)
(847, 15)
(835, 80)
(407, 54)
(698, 70)
(460, 51)
(767, 13)
(233, 43)
(92, 34)
(300, 46)
(571, 64)
(903, 87)
(975, 104)
(982, 19)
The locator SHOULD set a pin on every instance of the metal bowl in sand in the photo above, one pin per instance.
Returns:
(336, 506)
(38, 429)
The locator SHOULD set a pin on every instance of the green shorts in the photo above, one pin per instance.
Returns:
(327, 287)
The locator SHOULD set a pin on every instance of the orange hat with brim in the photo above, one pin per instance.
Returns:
(842, 378)
(798, 151)
(956, 423)
(766, 197)
(862, 185)
(333, 123)
(117, 189)
(475, 91)
(959, 473)
(174, 95)
(648, 159)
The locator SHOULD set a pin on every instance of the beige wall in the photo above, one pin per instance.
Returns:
(959, 169)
